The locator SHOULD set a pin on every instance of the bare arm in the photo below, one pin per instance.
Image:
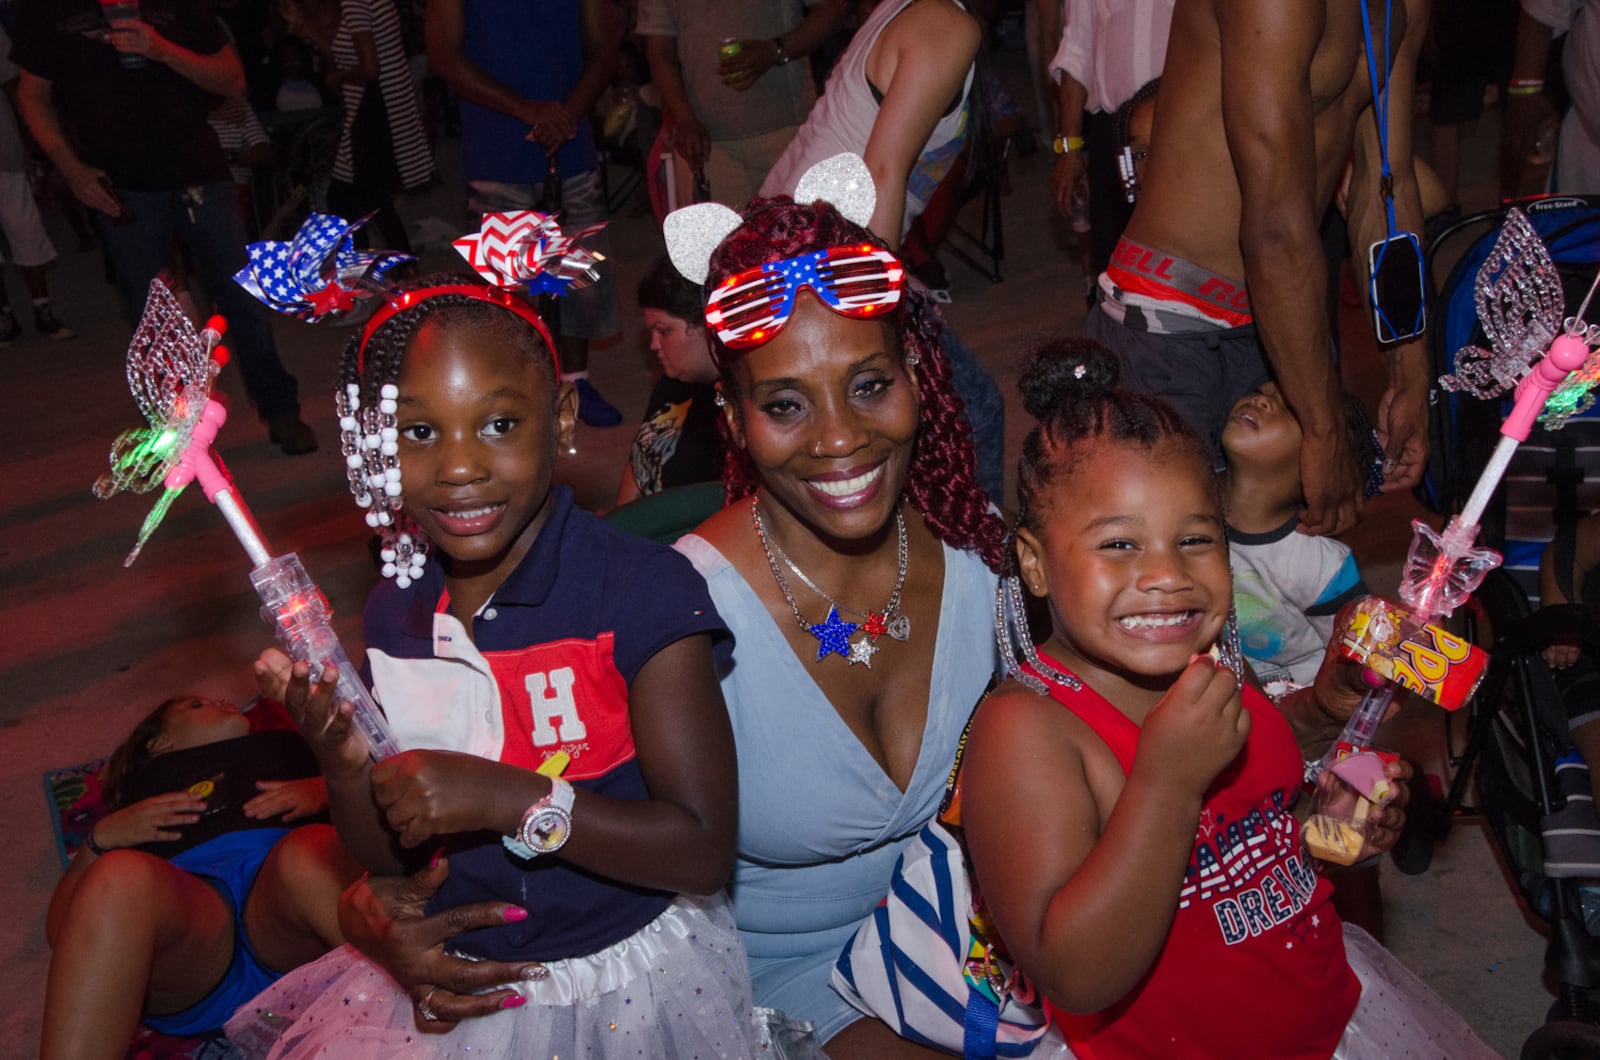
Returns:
(1084, 910)
(365, 71)
(1403, 413)
(36, 102)
(1069, 168)
(920, 62)
(219, 73)
(601, 26)
(688, 135)
(1267, 47)
(1524, 111)
(756, 57)
(628, 487)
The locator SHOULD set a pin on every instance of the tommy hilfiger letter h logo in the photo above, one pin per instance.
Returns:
(551, 696)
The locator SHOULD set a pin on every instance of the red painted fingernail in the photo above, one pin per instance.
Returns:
(433, 862)
(514, 913)
(514, 1001)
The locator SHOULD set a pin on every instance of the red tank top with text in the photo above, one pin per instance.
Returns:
(1254, 964)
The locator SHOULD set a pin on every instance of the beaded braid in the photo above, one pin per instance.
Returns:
(368, 437)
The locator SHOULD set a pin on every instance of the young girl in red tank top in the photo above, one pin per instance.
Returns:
(1128, 805)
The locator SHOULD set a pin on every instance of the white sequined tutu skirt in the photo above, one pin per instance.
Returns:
(678, 987)
(1398, 1015)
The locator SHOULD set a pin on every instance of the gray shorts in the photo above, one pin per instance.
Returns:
(589, 312)
(1200, 373)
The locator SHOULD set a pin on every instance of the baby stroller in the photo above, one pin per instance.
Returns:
(1517, 723)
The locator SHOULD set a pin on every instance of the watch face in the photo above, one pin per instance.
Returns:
(547, 830)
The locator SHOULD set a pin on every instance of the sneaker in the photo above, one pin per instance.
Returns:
(593, 409)
(46, 324)
(10, 330)
(292, 435)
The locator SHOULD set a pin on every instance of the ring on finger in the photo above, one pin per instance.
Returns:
(424, 1009)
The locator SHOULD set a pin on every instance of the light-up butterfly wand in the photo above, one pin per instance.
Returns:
(171, 371)
(1551, 364)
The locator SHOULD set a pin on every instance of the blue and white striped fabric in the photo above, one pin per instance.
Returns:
(905, 963)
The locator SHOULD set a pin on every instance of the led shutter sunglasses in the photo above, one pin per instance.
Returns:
(750, 307)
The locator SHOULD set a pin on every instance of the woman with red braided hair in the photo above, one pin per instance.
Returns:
(854, 564)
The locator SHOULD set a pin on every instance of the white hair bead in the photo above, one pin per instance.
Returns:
(387, 406)
(374, 518)
(403, 580)
(347, 423)
(389, 570)
(389, 391)
(391, 474)
(353, 461)
(389, 434)
(404, 538)
(363, 500)
(392, 488)
(390, 449)
(387, 555)
(385, 518)
(354, 390)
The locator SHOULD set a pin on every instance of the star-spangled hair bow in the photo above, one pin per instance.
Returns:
(527, 248)
(319, 271)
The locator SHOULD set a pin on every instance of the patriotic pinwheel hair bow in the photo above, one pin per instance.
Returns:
(527, 249)
(319, 271)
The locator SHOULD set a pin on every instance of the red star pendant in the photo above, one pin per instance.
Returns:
(874, 626)
(331, 298)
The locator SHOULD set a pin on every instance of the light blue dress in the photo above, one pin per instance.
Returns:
(820, 823)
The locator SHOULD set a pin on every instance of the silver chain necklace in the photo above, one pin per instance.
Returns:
(833, 634)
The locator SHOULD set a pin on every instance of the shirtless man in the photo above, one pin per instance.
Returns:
(1261, 104)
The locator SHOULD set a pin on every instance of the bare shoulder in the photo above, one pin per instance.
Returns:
(941, 20)
(1015, 719)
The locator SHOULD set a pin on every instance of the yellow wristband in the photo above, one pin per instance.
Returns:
(1067, 144)
(1525, 90)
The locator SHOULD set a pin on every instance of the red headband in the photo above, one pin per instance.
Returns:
(500, 296)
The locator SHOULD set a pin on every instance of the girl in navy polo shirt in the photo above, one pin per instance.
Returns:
(570, 769)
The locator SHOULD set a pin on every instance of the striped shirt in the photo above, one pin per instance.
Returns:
(412, 156)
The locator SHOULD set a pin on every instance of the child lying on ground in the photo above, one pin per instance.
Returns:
(197, 890)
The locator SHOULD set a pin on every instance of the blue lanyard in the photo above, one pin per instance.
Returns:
(1380, 102)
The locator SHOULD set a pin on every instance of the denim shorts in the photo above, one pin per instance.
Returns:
(589, 312)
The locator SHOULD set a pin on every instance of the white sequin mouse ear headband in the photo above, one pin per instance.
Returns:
(859, 280)
(693, 232)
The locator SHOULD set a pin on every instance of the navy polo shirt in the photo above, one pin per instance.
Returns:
(565, 635)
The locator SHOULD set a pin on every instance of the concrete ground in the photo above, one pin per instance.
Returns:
(89, 647)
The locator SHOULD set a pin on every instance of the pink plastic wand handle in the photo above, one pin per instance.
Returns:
(1565, 356)
(197, 462)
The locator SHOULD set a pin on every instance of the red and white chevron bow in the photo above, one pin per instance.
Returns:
(527, 248)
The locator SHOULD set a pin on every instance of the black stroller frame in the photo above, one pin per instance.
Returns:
(1516, 723)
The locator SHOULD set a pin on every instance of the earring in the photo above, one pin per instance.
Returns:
(816, 450)
(720, 401)
(1011, 629)
(572, 450)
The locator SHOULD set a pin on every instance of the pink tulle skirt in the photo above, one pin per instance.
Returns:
(678, 987)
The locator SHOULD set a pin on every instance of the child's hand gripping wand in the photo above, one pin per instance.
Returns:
(1442, 570)
(170, 370)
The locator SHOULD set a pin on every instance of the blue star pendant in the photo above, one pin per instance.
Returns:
(833, 635)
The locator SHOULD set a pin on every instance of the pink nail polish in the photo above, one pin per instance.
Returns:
(433, 862)
(514, 914)
(514, 1001)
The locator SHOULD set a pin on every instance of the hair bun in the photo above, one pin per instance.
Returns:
(1064, 369)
